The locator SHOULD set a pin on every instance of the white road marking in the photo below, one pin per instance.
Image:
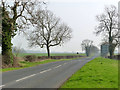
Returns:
(45, 70)
(65, 63)
(32, 75)
(58, 66)
(2, 86)
(25, 77)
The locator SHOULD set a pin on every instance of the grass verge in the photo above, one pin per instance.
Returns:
(26, 64)
(98, 73)
(52, 54)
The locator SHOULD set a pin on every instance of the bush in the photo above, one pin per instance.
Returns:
(30, 58)
(42, 57)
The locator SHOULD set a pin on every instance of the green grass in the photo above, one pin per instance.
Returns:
(98, 73)
(52, 54)
(26, 64)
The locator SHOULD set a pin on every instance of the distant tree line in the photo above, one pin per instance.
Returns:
(89, 48)
(17, 50)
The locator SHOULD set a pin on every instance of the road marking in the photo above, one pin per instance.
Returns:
(25, 77)
(58, 66)
(2, 86)
(45, 70)
(32, 75)
(65, 63)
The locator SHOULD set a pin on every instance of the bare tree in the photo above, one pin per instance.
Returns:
(108, 26)
(17, 50)
(86, 45)
(16, 15)
(49, 31)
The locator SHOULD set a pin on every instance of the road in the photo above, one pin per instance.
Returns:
(50, 75)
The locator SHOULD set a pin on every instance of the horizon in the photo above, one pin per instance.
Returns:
(75, 14)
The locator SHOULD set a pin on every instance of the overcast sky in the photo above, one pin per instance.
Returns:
(80, 16)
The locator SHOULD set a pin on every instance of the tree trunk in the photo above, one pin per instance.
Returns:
(6, 44)
(87, 51)
(113, 49)
(48, 51)
(110, 45)
(111, 52)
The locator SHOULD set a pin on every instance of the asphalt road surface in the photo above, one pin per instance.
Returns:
(50, 75)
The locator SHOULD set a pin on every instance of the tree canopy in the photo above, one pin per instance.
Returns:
(49, 31)
(108, 27)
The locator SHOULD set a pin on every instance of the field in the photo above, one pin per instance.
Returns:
(52, 54)
(25, 64)
(98, 73)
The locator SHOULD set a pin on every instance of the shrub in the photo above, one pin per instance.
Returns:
(30, 58)
(42, 57)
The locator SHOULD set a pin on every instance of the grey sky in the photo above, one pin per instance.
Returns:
(80, 16)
